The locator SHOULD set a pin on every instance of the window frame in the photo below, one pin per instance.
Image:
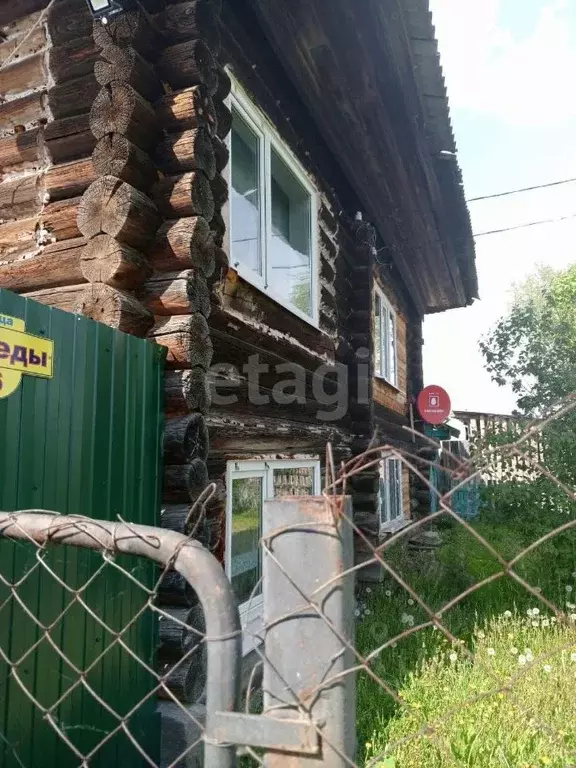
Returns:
(386, 523)
(387, 311)
(269, 139)
(251, 610)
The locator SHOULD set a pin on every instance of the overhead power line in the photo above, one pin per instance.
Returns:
(523, 189)
(524, 226)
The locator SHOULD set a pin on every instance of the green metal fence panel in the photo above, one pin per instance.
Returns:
(86, 441)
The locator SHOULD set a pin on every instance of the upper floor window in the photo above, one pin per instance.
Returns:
(273, 209)
(385, 339)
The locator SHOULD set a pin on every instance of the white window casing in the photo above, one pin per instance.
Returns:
(262, 474)
(302, 215)
(391, 496)
(385, 339)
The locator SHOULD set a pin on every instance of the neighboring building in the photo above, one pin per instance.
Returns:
(345, 224)
(499, 462)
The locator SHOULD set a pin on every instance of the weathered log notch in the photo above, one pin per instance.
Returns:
(115, 215)
(184, 256)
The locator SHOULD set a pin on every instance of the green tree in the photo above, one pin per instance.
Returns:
(533, 350)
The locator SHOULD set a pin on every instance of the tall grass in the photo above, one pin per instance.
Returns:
(412, 664)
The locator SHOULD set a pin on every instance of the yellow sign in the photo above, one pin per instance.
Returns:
(22, 353)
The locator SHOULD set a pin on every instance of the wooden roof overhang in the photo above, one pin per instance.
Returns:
(369, 73)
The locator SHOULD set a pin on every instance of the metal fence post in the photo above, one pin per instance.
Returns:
(309, 619)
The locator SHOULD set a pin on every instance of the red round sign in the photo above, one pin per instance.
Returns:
(434, 404)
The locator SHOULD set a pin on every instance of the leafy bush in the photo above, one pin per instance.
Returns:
(512, 705)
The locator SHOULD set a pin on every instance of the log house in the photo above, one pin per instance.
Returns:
(270, 197)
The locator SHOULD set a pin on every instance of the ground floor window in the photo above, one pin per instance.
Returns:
(390, 496)
(249, 484)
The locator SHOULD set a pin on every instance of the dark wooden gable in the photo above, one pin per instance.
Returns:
(364, 84)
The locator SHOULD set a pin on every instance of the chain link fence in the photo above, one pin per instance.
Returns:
(452, 644)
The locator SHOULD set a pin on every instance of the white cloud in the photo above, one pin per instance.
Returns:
(522, 81)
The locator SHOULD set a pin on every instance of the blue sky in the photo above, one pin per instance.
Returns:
(508, 66)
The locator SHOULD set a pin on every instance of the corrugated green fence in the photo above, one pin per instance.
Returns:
(85, 442)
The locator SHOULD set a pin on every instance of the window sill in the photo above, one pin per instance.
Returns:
(256, 282)
(395, 526)
(388, 383)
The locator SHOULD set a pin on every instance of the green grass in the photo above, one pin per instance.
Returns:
(419, 666)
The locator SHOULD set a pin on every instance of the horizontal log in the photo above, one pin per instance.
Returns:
(190, 150)
(187, 109)
(172, 632)
(218, 227)
(233, 392)
(23, 38)
(186, 195)
(69, 139)
(10, 12)
(186, 391)
(69, 179)
(66, 298)
(219, 187)
(190, 20)
(119, 109)
(113, 207)
(115, 308)
(26, 112)
(21, 196)
(131, 28)
(59, 219)
(74, 58)
(186, 679)
(174, 590)
(115, 155)
(184, 481)
(57, 265)
(187, 518)
(21, 147)
(125, 65)
(105, 260)
(68, 20)
(224, 85)
(18, 238)
(239, 434)
(189, 63)
(186, 338)
(221, 153)
(185, 439)
(176, 293)
(183, 243)
(74, 97)
(23, 75)
(223, 119)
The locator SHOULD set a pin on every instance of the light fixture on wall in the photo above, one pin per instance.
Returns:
(103, 9)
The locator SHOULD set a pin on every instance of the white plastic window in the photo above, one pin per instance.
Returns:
(385, 339)
(273, 212)
(390, 497)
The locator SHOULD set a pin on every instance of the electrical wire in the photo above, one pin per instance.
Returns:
(524, 226)
(523, 189)
(32, 29)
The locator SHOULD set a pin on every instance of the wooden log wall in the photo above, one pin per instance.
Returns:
(116, 214)
(105, 208)
(244, 322)
(186, 258)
